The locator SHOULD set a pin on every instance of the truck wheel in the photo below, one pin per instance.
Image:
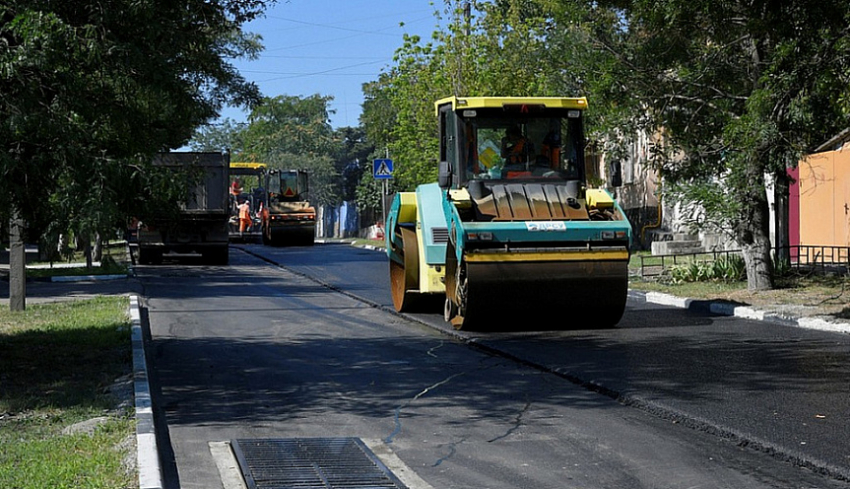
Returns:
(404, 278)
(148, 256)
(220, 255)
(275, 238)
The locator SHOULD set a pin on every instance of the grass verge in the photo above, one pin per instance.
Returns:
(61, 422)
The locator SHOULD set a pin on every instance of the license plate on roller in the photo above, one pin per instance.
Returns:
(545, 226)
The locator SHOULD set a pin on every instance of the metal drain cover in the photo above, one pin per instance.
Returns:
(328, 463)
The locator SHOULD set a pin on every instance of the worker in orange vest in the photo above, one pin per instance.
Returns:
(244, 216)
(515, 147)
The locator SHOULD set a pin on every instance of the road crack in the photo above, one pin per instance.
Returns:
(516, 424)
(452, 452)
(397, 415)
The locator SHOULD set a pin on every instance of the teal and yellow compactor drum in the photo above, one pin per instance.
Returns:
(510, 235)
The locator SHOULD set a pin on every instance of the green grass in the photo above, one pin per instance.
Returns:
(697, 290)
(56, 362)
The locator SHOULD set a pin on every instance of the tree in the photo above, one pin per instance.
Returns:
(498, 48)
(89, 90)
(352, 159)
(222, 136)
(740, 90)
(291, 132)
(287, 124)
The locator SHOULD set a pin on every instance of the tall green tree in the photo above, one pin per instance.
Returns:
(292, 132)
(353, 159)
(90, 90)
(740, 89)
(288, 124)
(497, 48)
(94, 88)
(224, 135)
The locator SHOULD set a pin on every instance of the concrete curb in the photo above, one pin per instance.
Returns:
(746, 312)
(83, 278)
(150, 472)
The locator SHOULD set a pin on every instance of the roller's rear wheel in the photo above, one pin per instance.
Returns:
(404, 278)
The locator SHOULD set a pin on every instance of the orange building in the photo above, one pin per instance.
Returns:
(820, 197)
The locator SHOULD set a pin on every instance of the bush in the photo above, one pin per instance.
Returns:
(728, 268)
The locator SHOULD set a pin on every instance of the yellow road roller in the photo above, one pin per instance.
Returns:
(510, 236)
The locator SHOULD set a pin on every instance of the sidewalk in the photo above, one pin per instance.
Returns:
(73, 287)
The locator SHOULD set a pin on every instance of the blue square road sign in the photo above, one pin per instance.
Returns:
(382, 168)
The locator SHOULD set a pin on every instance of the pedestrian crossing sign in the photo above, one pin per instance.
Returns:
(382, 168)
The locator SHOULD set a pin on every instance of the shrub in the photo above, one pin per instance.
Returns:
(728, 268)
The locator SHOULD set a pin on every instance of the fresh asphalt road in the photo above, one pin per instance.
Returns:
(666, 399)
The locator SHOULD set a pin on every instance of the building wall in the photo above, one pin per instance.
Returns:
(638, 194)
(824, 199)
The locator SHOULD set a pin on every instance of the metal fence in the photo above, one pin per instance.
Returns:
(809, 258)
(655, 265)
(820, 259)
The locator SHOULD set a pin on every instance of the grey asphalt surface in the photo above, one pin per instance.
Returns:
(253, 350)
(770, 385)
(788, 385)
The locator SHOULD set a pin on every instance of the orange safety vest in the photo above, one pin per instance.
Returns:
(515, 154)
(244, 213)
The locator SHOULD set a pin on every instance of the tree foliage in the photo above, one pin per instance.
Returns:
(89, 90)
(292, 132)
(739, 90)
(288, 124)
(500, 48)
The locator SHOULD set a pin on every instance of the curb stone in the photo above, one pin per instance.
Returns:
(745, 312)
(82, 278)
(150, 472)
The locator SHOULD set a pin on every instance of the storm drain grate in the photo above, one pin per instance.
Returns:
(331, 463)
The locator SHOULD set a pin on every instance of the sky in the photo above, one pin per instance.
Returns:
(331, 47)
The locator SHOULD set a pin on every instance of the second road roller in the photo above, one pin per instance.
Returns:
(510, 235)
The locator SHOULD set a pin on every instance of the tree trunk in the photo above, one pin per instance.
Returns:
(17, 265)
(753, 235)
(84, 245)
(98, 248)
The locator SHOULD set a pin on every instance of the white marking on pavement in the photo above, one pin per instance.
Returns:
(228, 467)
(404, 473)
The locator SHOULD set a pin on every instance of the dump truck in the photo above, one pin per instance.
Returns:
(201, 225)
(510, 235)
(248, 198)
(289, 218)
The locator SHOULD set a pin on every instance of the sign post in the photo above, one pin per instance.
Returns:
(382, 169)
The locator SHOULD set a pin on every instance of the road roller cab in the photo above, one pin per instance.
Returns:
(510, 230)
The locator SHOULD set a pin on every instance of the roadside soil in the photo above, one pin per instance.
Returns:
(826, 303)
(824, 298)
